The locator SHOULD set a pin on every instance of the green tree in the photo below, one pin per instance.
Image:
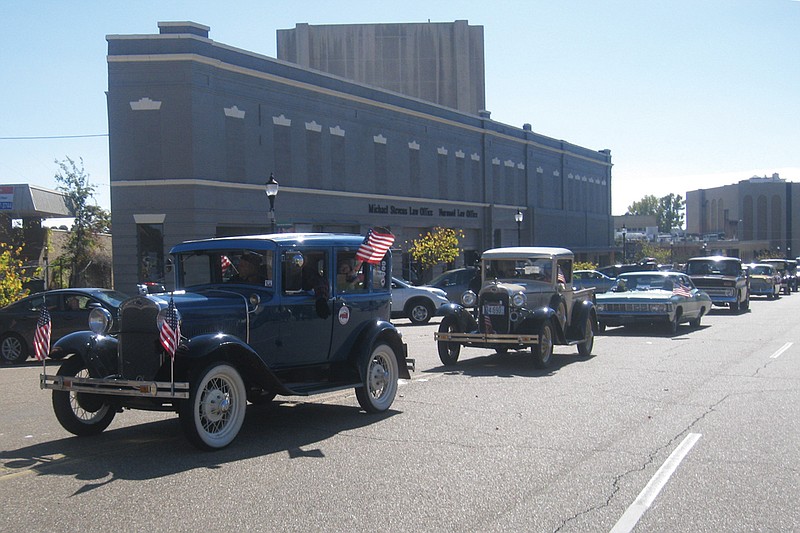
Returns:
(12, 274)
(648, 205)
(440, 245)
(668, 210)
(90, 220)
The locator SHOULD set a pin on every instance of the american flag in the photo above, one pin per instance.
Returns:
(41, 339)
(375, 246)
(681, 290)
(170, 330)
(226, 262)
(561, 278)
(487, 324)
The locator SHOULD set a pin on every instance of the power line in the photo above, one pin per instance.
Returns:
(53, 137)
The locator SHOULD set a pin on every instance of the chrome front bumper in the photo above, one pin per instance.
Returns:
(486, 338)
(117, 387)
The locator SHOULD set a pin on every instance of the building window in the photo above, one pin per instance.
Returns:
(150, 250)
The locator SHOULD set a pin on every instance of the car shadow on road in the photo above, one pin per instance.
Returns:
(650, 331)
(511, 364)
(158, 449)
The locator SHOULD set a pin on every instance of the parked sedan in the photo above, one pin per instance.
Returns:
(653, 297)
(418, 304)
(585, 279)
(455, 282)
(69, 311)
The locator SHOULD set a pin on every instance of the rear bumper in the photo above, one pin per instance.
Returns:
(178, 390)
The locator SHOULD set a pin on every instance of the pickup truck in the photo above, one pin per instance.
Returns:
(526, 300)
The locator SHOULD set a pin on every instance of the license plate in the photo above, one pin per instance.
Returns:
(494, 309)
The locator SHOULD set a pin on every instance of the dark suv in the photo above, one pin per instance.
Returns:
(258, 316)
(786, 268)
(723, 279)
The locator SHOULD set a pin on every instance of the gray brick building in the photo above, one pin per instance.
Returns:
(196, 127)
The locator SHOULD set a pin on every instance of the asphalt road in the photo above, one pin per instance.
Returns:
(696, 432)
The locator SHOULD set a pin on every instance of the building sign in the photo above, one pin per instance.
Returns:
(6, 198)
(421, 211)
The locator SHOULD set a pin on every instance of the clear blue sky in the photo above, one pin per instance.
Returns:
(686, 94)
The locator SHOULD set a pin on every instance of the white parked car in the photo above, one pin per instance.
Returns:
(418, 304)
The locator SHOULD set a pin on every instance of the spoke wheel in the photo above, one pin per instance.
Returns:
(214, 413)
(448, 351)
(80, 413)
(13, 349)
(380, 380)
(543, 352)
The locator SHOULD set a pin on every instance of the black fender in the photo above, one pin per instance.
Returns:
(465, 319)
(580, 311)
(372, 333)
(537, 317)
(99, 352)
(201, 350)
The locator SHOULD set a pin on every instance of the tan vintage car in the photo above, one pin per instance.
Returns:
(764, 280)
(526, 301)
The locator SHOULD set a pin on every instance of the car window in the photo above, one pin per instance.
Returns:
(241, 266)
(350, 273)
(305, 272)
(538, 269)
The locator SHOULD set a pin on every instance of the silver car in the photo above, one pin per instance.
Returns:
(418, 304)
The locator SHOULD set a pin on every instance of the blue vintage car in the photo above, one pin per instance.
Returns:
(259, 316)
(652, 297)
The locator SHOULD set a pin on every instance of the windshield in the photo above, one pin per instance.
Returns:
(521, 269)
(111, 297)
(703, 268)
(761, 270)
(207, 267)
(645, 282)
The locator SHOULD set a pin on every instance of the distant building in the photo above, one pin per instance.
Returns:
(23, 207)
(440, 62)
(748, 217)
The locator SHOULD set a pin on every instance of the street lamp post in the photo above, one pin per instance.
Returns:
(271, 188)
(624, 245)
(518, 217)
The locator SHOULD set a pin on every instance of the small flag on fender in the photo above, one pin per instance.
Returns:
(170, 330)
(41, 338)
(375, 246)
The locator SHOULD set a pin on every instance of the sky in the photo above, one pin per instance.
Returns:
(687, 94)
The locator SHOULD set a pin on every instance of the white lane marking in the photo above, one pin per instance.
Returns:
(779, 352)
(645, 499)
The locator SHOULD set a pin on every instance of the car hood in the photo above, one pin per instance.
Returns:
(209, 311)
(654, 295)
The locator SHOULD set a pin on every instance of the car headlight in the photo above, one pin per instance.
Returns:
(162, 316)
(100, 320)
(469, 299)
(658, 308)
(600, 307)
(518, 300)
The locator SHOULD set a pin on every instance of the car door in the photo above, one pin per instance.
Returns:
(356, 299)
(304, 310)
